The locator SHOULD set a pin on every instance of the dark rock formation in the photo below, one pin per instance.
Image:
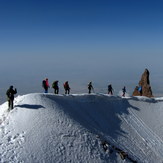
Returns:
(144, 88)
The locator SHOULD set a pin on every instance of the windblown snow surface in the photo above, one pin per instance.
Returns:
(81, 128)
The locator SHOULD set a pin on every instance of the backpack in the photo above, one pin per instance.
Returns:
(54, 84)
(109, 87)
(44, 83)
(66, 85)
(89, 86)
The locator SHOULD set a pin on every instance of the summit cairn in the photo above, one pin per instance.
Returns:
(144, 88)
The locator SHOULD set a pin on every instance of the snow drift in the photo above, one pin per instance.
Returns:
(73, 128)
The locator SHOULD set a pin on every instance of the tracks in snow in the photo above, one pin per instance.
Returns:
(149, 139)
(9, 142)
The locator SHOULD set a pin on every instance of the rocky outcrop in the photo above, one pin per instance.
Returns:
(144, 88)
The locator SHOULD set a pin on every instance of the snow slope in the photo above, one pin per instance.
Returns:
(81, 128)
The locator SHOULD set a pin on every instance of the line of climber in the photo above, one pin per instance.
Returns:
(66, 86)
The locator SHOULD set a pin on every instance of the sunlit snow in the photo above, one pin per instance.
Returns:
(82, 128)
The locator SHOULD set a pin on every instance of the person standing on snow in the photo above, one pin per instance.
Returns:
(66, 87)
(10, 97)
(110, 89)
(140, 90)
(90, 87)
(45, 85)
(124, 91)
(56, 87)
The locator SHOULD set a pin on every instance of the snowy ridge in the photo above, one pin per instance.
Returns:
(72, 128)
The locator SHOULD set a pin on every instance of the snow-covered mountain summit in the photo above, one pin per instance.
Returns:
(82, 128)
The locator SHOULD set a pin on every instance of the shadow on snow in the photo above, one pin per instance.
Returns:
(29, 106)
(100, 114)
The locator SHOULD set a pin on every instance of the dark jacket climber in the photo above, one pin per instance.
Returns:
(55, 87)
(66, 87)
(110, 89)
(90, 87)
(10, 97)
(124, 91)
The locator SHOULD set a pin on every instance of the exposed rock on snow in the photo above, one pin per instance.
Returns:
(145, 84)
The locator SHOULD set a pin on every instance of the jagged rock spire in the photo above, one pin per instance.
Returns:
(144, 83)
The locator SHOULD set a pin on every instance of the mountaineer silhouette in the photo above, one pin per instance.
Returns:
(66, 87)
(110, 89)
(90, 87)
(55, 87)
(45, 85)
(10, 97)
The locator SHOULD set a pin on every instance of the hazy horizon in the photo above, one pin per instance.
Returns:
(80, 41)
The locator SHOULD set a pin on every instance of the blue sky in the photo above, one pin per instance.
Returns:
(101, 40)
